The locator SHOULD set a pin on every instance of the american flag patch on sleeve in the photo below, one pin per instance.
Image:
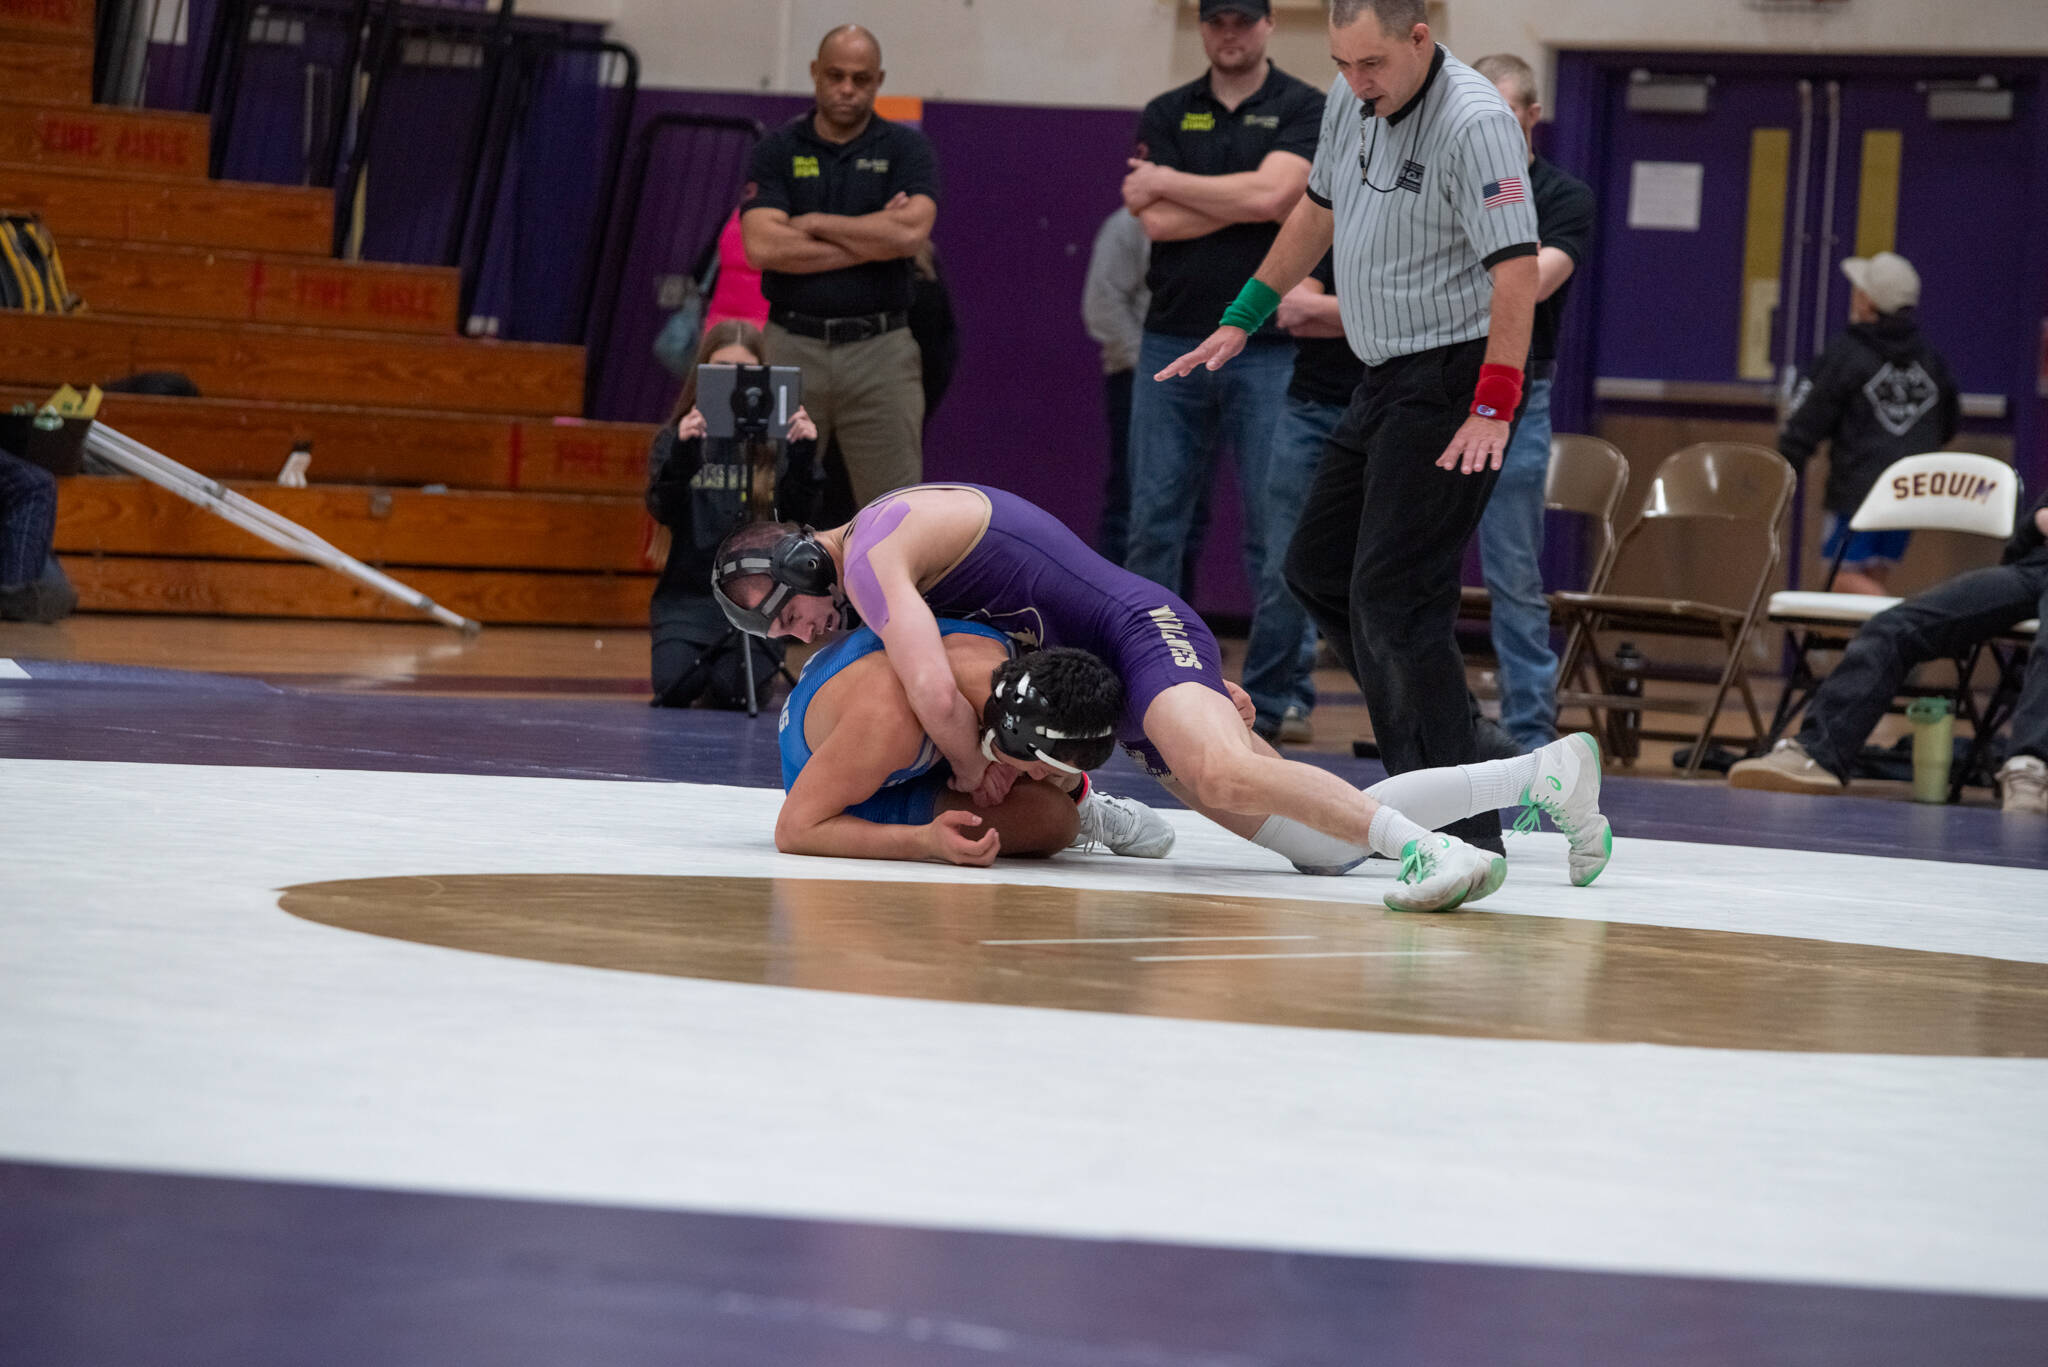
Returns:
(1499, 192)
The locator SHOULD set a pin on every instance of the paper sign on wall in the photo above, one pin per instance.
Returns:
(1666, 195)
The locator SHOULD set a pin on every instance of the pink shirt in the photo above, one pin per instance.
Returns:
(738, 291)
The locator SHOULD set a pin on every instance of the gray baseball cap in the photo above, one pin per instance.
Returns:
(1888, 278)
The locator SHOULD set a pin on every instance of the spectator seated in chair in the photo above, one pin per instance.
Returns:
(698, 489)
(32, 588)
(1942, 623)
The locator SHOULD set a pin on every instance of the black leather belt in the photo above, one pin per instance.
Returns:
(834, 331)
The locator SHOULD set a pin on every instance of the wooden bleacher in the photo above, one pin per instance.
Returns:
(358, 445)
(533, 516)
(262, 287)
(133, 207)
(317, 365)
(44, 72)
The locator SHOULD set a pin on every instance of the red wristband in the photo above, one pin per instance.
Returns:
(1499, 392)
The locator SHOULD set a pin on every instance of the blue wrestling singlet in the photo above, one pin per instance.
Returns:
(909, 797)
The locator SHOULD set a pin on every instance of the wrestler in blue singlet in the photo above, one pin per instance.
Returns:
(1041, 584)
(910, 796)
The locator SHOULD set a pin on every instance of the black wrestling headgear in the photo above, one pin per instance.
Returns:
(1018, 721)
(798, 563)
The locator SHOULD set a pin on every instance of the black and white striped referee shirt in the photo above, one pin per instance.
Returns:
(1426, 202)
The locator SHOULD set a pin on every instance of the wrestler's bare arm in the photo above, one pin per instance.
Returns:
(867, 701)
(893, 546)
(872, 740)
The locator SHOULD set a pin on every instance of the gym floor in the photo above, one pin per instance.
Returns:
(368, 995)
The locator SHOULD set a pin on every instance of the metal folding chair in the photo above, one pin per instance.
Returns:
(1950, 491)
(1741, 494)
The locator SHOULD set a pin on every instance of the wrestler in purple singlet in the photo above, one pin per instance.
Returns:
(1039, 584)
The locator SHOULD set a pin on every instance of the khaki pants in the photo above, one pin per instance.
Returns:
(868, 394)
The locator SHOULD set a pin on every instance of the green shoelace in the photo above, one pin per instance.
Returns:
(1417, 863)
(1535, 808)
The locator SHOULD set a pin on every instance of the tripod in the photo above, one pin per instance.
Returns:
(758, 454)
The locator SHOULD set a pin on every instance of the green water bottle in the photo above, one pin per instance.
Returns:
(1934, 730)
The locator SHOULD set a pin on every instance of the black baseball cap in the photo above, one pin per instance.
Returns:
(1250, 9)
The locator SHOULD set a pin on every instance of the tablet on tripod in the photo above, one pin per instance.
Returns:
(749, 402)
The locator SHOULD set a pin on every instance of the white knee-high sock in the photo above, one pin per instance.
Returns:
(1411, 805)
(1308, 849)
(1437, 797)
(1392, 830)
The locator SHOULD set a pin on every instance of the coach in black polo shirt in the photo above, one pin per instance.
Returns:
(838, 203)
(1221, 160)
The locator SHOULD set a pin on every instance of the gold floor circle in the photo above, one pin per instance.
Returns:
(1261, 961)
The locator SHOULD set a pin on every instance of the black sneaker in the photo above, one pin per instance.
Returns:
(43, 601)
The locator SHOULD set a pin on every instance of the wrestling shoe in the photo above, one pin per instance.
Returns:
(1443, 873)
(1123, 826)
(1567, 790)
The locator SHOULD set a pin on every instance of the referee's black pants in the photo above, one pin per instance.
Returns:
(1377, 554)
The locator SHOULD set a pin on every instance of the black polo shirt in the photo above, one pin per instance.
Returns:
(1325, 371)
(1564, 219)
(798, 172)
(1189, 130)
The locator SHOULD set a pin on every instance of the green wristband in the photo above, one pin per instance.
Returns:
(1252, 307)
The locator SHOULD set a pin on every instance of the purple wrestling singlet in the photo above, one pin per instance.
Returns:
(1031, 578)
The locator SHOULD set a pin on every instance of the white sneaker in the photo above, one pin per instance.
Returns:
(1123, 826)
(1567, 790)
(1443, 873)
(1786, 769)
(2023, 784)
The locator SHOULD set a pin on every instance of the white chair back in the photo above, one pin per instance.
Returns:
(1952, 491)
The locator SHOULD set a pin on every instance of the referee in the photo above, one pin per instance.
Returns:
(1421, 184)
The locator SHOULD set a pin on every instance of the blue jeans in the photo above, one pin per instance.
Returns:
(1113, 532)
(1511, 547)
(1172, 463)
(1280, 656)
(28, 519)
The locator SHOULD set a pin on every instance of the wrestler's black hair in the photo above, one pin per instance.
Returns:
(1065, 691)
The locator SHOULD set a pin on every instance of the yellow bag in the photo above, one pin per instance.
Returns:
(31, 275)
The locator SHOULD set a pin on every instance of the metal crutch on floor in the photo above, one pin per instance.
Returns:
(127, 454)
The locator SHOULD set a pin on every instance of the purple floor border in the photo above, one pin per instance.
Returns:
(162, 717)
(141, 1269)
